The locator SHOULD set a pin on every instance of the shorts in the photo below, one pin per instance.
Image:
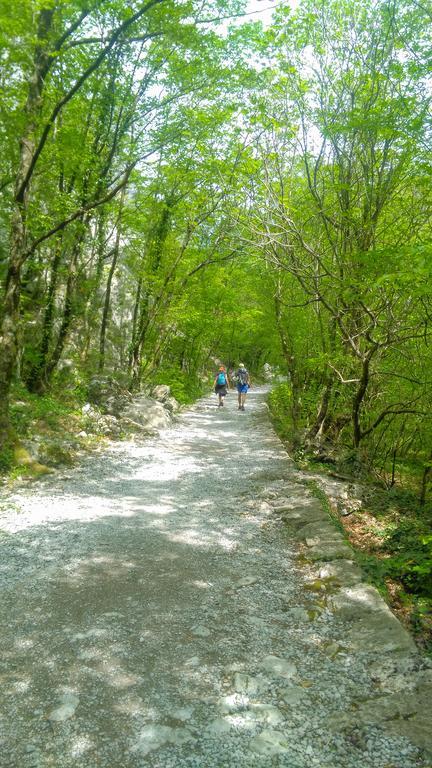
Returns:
(242, 388)
(221, 389)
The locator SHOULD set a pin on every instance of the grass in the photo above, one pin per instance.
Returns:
(53, 421)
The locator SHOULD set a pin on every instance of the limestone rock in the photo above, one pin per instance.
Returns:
(161, 392)
(319, 530)
(344, 571)
(148, 413)
(330, 550)
(69, 703)
(269, 743)
(279, 667)
(357, 600)
(153, 737)
(379, 631)
(244, 683)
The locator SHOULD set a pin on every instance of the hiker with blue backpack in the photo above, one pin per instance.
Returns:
(243, 383)
(221, 385)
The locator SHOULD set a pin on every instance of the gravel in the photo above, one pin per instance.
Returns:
(154, 614)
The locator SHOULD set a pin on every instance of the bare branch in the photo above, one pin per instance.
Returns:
(344, 381)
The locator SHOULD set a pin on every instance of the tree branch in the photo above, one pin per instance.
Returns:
(75, 88)
(84, 209)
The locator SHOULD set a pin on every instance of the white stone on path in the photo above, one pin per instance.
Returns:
(155, 736)
(246, 581)
(244, 683)
(218, 727)
(279, 667)
(201, 631)
(269, 743)
(65, 710)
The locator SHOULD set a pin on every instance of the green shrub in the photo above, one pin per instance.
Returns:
(6, 460)
(279, 401)
(185, 387)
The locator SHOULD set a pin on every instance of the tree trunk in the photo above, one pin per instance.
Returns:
(9, 325)
(42, 352)
(107, 301)
(358, 400)
(42, 381)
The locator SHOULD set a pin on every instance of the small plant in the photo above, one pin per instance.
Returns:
(6, 460)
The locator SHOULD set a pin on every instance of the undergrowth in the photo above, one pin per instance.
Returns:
(390, 533)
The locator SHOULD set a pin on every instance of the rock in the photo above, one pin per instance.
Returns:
(320, 530)
(218, 727)
(108, 394)
(182, 713)
(298, 518)
(148, 413)
(344, 571)
(161, 392)
(329, 550)
(293, 695)
(201, 631)
(23, 458)
(379, 631)
(279, 667)
(244, 683)
(109, 425)
(357, 600)
(406, 713)
(269, 743)
(266, 713)
(90, 411)
(155, 736)
(65, 710)
(296, 613)
(172, 405)
(246, 581)
(268, 372)
(116, 404)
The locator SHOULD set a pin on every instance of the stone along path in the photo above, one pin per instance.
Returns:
(154, 614)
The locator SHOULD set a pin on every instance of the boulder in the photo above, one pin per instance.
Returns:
(108, 394)
(172, 405)
(161, 392)
(148, 413)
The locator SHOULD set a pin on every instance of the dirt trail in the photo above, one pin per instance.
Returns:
(153, 615)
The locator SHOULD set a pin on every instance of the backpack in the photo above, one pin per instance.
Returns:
(221, 379)
(242, 376)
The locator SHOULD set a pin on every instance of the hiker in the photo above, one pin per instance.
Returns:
(221, 385)
(243, 384)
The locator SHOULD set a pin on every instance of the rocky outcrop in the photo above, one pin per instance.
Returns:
(142, 413)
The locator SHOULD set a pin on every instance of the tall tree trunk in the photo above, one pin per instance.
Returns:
(107, 301)
(42, 381)
(41, 353)
(9, 323)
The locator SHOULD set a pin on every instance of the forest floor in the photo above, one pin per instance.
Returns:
(186, 602)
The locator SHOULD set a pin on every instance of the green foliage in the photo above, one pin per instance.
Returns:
(186, 388)
(280, 404)
(6, 459)
(27, 409)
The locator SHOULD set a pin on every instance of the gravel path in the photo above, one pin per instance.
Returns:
(154, 614)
